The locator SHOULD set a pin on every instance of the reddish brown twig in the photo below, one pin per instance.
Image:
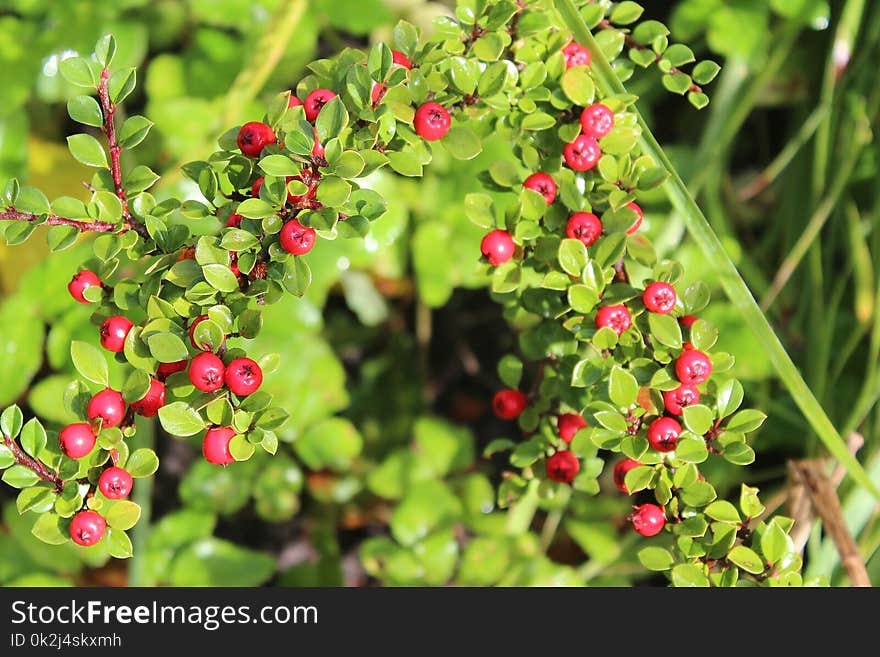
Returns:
(41, 470)
(12, 214)
(109, 128)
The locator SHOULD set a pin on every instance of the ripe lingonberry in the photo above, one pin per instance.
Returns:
(255, 188)
(206, 372)
(584, 226)
(687, 320)
(215, 446)
(663, 434)
(568, 424)
(149, 404)
(648, 519)
(617, 318)
(243, 376)
(659, 297)
(315, 102)
(114, 330)
(80, 282)
(639, 215)
(254, 137)
(597, 120)
(509, 403)
(107, 405)
(115, 483)
(400, 59)
(620, 471)
(296, 238)
(432, 121)
(563, 466)
(543, 184)
(87, 528)
(167, 369)
(76, 440)
(575, 55)
(497, 247)
(582, 154)
(192, 332)
(693, 367)
(676, 400)
(234, 220)
(294, 101)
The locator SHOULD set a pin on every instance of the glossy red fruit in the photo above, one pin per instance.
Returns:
(76, 440)
(107, 405)
(432, 121)
(617, 318)
(543, 184)
(317, 148)
(582, 154)
(497, 247)
(675, 400)
(597, 120)
(584, 226)
(115, 483)
(663, 434)
(575, 55)
(206, 372)
(563, 466)
(687, 321)
(315, 102)
(294, 101)
(659, 297)
(639, 215)
(254, 137)
(234, 220)
(215, 446)
(693, 367)
(82, 281)
(149, 404)
(648, 519)
(113, 332)
(87, 528)
(255, 188)
(568, 424)
(400, 59)
(378, 93)
(509, 403)
(296, 238)
(620, 471)
(233, 263)
(167, 369)
(243, 376)
(192, 332)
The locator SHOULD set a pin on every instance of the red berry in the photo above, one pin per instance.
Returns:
(582, 154)
(400, 59)
(233, 263)
(107, 405)
(253, 137)
(563, 466)
(315, 102)
(663, 434)
(508, 404)
(584, 226)
(149, 404)
(676, 400)
(87, 528)
(432, 121)
(317, 148)
(76, 440)
(378, 92)
(497, 247)
(296, 238)
(115, 483)
(167, 369)
(639, 214)
(243, 376)
(294, 101)
(543, 184)
(234, 220)
(575, 55)
(687, 321)
(620, 471)
(255, 188)
(693, 367)
(206, 372)
(215, 446)
(568, 424)
(80, 282)
(114, 330)
(648, 519)
(597, 120)
(617, 318)
(192, 332)
(659, 297)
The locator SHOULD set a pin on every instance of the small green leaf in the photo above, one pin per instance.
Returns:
(462, 143)
(746, 421)
(722, 511)
(746, 559)
(85, 110)
(18, 476)
(51, 528)
(87, 150)
(123, 515)
(689, 575)
(181, 419)
(142, 463)
(134, 131)
(33, 437)
(578, 85)
(220, 277)
(656, 558)
(11, 421)
(665, 329)
(698, 418)
(118, 543)
(89, 361)
(79, 72)
(277, 165)
(623, 389)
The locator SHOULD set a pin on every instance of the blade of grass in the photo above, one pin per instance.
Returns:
(731, 281)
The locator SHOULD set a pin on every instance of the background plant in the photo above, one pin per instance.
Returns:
(333, 498)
